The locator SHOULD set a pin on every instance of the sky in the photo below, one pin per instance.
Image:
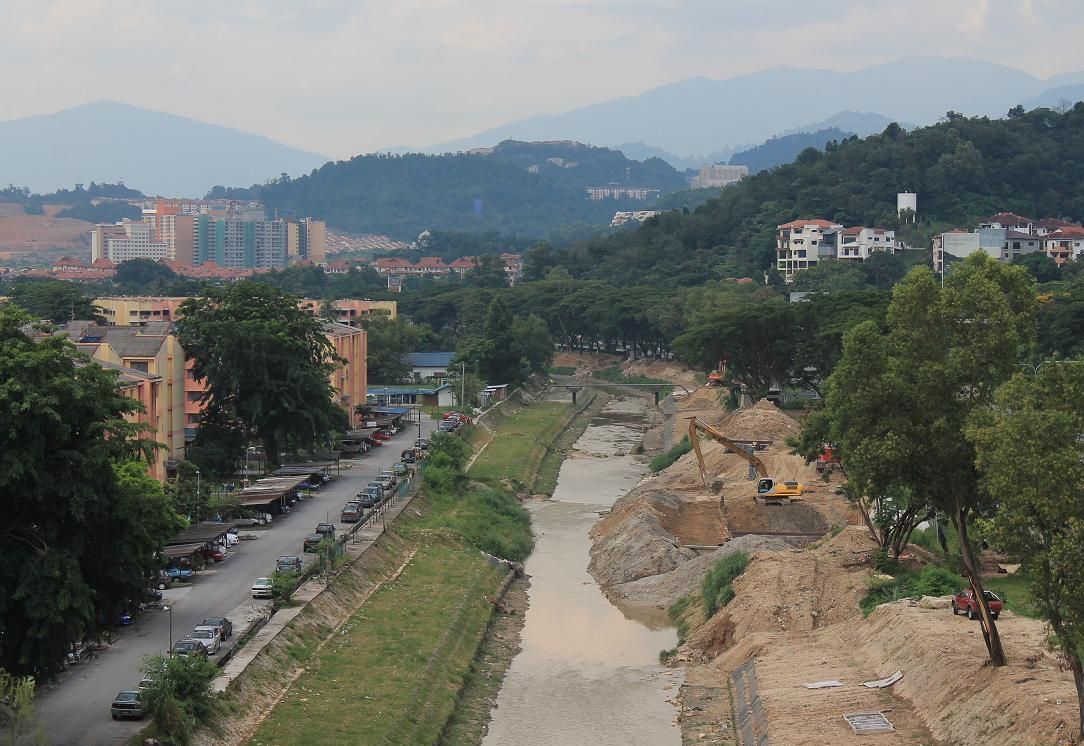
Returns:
(341, 77)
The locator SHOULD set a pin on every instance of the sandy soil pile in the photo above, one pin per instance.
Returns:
(632, 541)
(794, 591)
(665, 370)
(584, 362)
(762, 421)
(665, 589)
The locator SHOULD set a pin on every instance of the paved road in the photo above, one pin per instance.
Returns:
(75, 711)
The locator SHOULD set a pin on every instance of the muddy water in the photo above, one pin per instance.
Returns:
(586, 673)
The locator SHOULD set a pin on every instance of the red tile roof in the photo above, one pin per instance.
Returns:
(802, 223)
(391, 263)
(431, 261)
(463, 262)
(1007, 218)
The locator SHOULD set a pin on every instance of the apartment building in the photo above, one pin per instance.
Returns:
(798, 244)
(238, 243)
(126, 240)
(151, 350)
(349, 380)
(856, 244)
(613, 191)
(719, 175)
(621, 217)
(1006, 236)
(306, 239)
(138, 310)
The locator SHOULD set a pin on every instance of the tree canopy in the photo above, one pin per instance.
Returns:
(266, 362)
(73, 495)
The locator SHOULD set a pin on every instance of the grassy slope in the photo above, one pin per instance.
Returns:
(521, 443)
(392, 674)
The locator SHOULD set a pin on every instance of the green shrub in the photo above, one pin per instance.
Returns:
(717, 589)
(179, 696)
(933, 580)
(665, 460)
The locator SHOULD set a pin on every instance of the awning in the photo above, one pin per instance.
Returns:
(393, 411)
(183, 550)
(200, 533)
(266, 491)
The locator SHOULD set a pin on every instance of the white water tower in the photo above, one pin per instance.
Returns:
(907, 201)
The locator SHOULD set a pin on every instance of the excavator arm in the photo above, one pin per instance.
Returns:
(697, 426)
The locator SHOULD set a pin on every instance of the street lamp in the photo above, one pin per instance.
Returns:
(197, 495)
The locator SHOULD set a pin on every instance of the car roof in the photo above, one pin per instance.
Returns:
(127, 695)
(203, 628)
(289, 557)
(263, 580)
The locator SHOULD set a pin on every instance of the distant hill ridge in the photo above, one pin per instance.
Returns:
(110, 141)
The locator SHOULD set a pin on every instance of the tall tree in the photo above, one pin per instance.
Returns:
(388, 341)
(1031, 458)
(501, 363)
(54, 300)
(534, 341)
(899, 401)
(62, 430)
(267, 364)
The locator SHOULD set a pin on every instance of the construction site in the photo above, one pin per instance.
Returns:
(791, 659)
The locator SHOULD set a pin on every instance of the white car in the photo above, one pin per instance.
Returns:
(207, 636)
(231, 539)
(262, 588)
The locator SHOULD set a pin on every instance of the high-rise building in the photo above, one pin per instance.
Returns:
(240, 243)
(306, 239)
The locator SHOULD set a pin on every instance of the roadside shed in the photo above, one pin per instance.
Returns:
(270, 494)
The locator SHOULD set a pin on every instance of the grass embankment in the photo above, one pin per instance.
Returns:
(392, 673)
(521, 442)
(666, 460)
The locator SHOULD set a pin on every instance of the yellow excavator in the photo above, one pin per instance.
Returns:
(769, 491)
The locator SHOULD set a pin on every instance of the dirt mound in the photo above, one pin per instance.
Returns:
(662, 369)
(790, 592)
(762, 421)
(665, 589)
(632, 543)
(584, 363)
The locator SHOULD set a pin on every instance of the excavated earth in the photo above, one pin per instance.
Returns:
(795, 617)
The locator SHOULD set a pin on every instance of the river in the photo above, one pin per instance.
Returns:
(586, 674)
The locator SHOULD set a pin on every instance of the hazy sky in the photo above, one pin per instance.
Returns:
(346, 76)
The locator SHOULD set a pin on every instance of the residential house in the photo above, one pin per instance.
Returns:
(858, 243)
(798, 244)
(425, 366)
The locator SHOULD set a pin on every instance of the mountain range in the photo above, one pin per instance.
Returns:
(707, 116)
(155, 152)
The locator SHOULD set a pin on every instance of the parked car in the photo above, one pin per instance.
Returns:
(965, 601)
(351, 512)
(446, 427)
(189, 647)
(262, 588)
(422, 443)
(450, 414)
(370, 497)
(384, 480)
(224, 626)
(308, 484)
(381, 436)
(390, 474)
(400, 470)
(127, 704)
(179, 573)
(213, 554)
(408, 457)
(163, 580)
(326, 529)
(151, 594)
(206, 635)
(232, 538)
(288, 563)
(312, 543)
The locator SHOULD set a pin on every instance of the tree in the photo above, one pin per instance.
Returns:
(830, 277)
(755, 338)
(54, 300)
(501, 361)
(1041, 266)
(62, 430)
(1031, 458)
(535, 342)
(179, 695)
(389, 341)
(143, 275)
(267, 364)
(488, 272)
(899, 401)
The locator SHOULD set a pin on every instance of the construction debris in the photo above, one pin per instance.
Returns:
(885, 682)
(823, 684)
(868, 722)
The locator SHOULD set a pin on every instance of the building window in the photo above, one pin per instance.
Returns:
(140, 365)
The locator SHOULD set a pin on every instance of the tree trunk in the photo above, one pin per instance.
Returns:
(1078, 679)
(986, 622)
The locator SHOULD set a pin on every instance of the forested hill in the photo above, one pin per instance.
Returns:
(962, 168)
(515, 187)
(784, 149)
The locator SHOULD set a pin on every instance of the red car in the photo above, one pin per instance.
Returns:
(381, 436)
(965, 601)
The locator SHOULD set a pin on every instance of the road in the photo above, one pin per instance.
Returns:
(75, 710)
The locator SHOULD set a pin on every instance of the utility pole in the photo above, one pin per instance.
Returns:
(462, 383)
(197, 495)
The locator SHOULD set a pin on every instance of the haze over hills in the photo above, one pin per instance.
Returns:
(156, 152)
(701, 115)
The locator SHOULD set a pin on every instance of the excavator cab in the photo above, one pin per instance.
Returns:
(765, 486)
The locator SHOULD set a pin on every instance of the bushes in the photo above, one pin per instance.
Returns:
(665, 460)
(179, 696)
(717, 589)
(931, 581)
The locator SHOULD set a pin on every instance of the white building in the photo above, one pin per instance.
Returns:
(126, 240)
(613, 191)
(719, 175)
(800, 244)
(857, 243)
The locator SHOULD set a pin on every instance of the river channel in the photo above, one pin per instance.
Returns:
(586, 674)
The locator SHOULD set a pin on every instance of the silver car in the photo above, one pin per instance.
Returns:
(262, 588)
(206, 635)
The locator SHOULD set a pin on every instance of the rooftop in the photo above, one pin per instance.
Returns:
(429, 359)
